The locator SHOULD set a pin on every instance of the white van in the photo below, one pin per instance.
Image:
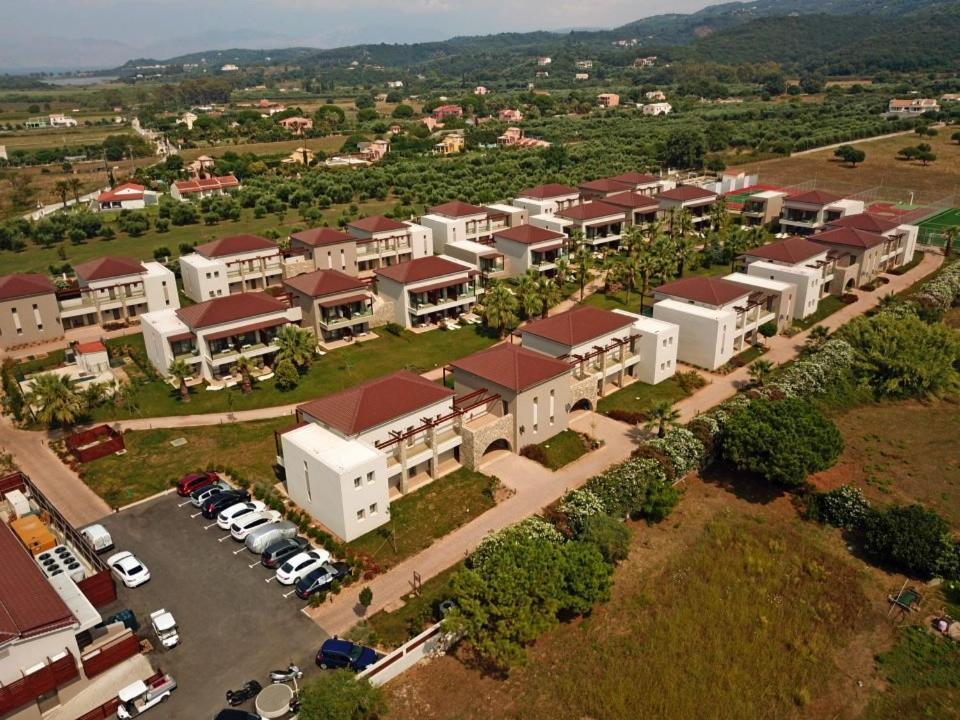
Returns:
(98, 537)
(258, 540)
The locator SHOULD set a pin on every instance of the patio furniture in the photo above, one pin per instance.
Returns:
(264, 376)
(906, 601)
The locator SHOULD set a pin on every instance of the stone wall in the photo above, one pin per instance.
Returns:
(584, 390)
(382, 312)
(476, 441)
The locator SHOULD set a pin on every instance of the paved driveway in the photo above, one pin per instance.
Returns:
(234, 626)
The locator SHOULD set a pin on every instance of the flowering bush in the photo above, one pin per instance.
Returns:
(579, 505)
(816, 373)
(622, 489)
(941, 292)
(844, 507)
(532, 528)
(682, 447)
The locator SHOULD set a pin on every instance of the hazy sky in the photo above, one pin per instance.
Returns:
(98, 33)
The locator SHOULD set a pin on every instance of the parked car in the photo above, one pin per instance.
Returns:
(266, 535)
(280, 551)
(337, 653)
(245, 525)
(98, 537)
(219, 501)
(299, 565)
(131, 571)
(127, 617)
(201, 495)
(321, 578)
(188, 483)
(232, 513)
(165, 628)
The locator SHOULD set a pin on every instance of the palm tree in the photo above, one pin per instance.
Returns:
(683, 249)
(582, 265)
(528, 294)
(562, 273)
(949, 238)
(499, 307)
(55, 400)
(629, 269)
(816, 338)
(245, 367)
(75, 186)
(62, 188)
(295, 344)
(888, 301)
(180, 371)
(633, 239)
(759, 371)
(735, 244)
(661, 414)
(719, 217)
(550, 292)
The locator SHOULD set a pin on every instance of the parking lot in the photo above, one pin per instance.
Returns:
(234, 625)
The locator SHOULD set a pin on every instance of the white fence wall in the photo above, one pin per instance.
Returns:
(432, 642)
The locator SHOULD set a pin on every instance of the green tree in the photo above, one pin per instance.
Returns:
(950, 239)
(339, 695)
(850, 155)
(816, 339)
(245, 366)
(660, 415)
(55, 400)
(609, 535)
(683, 148)
(366, 596)
(587, 577)
(684, 250)
(286, 376)
(296, 345)
(528, 295)
(402, 112)
(179, 370)
(499, 307)
(62, 188)
(75, 185)
(550, 292)
(659, 500)
(759, 371)
(782, 441)
(911, 537)
(583, 264)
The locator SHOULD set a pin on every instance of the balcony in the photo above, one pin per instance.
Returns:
(333, 322)
(442, 303)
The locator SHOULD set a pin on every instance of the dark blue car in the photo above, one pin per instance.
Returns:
(337, 653)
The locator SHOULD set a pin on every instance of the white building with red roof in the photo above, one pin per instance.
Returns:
(547, 199)
(809, 267)
(530, 247)
(598, 223)
(198, 188)
(29, 312)
(354, 450)
(806, 212)
(335, 305)
(129, 196)
(692, 198)
(429, 290)
(382, 242)
(231, 265)
(211, 335)
(457, 220)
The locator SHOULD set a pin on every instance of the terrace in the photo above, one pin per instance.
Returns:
(546, 258)
(336, 314)
(441, 296)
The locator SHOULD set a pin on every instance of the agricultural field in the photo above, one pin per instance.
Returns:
(327, 144)
(59, 137)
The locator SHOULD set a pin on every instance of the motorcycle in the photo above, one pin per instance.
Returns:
(293, 672)
(248, 691)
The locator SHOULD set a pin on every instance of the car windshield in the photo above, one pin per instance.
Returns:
(134, 569)
(355, 652)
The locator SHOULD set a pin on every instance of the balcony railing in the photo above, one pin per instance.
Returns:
(335, 321)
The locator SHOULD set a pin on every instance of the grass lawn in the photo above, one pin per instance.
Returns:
(339, 369)
(419, 518)
(619, 300)
(35, 139)
(640, 397)
(827, 307)
(563, 448)
(151, 463)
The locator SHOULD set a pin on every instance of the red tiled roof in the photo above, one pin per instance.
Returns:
(349, 300)
(457, 208)
(635, 178)
(606, 185)
(513, 367)
(28, 603)
(685, 193)
(528, 234)
(849, 236)
(244, 329)
(118, 194)
(865, 221)
(323, 236)
(229, 308)
(235, 244)
(214, 183)
(792, 250)
(90, 347)
(21, 285)
(550, 190)
(324, 282)
(377, 224)
(814, 197)
(633, 200)
(108, 267)
(578, 325)
(707, 290)
(591, 211)
(376, 402)
(425, 268)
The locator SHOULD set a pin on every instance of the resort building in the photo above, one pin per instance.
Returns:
(230, 265)
(900, 238)
(29, 312)
(128, 196)
(717, 318)
(807, 212)
(429, 290)
(199, 188)
(335, 306)
(485, 258)
(643, 183)
(547, 199)
(211, 335)
(762, 208)
(327, 249)
(382, 242)
(608, 100)
(458, 220)
(598, 223)
(116, 290)
(912, 106)
(861, 255)
(806, 265)
(695, 200)
(529, 247)
(638, 209)
(600, 189)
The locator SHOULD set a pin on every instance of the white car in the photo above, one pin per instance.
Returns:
(165, 628)
(230, 515)
(250, 522)
(301, 564)
(131, 571)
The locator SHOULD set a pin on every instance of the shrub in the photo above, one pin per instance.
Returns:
(783, 441)
(611, 537)
(286, 376)
(623, 488)
(579, 506)
(627, 416)
(339, 695)
(532, 528)
(690, 380)
(910, 537)
(661, 499)
(393, 328)
(682, 447)
(366, 596)
(843, 507)
(535, 453)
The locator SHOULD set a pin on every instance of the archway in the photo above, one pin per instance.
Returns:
(497, 445)
(849, 285)
(582, 404)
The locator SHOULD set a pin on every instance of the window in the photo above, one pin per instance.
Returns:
(211, 293)
(356, 483)
(373, 509)
(663, 366)
(208, 276)
(306, 480)
(536, 413)
(370, 477)
(360, 514)
(553, 403)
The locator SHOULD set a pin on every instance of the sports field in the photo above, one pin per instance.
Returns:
(932, 229)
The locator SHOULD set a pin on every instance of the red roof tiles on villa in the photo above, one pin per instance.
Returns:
(425, 268)
(513, 367)
(108, 267)
(578, 325)
(324, 282)
(706, 290)
(866, 222)
(377, 224)
(792, 250)
(591, 211)
(528, 234)
(21, 285)
(229, 308)
(688, 193)
(318, 237)
(850, 237)
(815, 197)
(234, 245)
(550, 190)
(457, 208)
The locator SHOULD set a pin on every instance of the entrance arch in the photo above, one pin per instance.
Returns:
(582, 404)
(497, 445)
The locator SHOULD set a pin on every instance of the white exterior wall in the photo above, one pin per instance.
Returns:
(160, 286)
(399, 298)
(807, 281)
(705, 337)
(550, 222)
(658, 343)
(25, 654)
(382, 432)
(194, 269)
(787, 293)
(910, 243)
(445, 229)
(321, 469)
(421, 240)
(546, 206)
(157, 327)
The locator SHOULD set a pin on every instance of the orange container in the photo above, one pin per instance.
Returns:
(34, 534)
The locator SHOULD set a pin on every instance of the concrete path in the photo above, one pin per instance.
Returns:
(782, 348)
(88, 333)
(811, 151)
(32, 454)
(535, 487)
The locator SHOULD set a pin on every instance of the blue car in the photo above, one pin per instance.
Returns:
(337, 653)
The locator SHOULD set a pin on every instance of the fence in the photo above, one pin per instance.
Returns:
(31, 687)
(106, 656)
(432, 642)
(95, 443)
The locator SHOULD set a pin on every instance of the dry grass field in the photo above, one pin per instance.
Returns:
(59, 137)
(329, 143)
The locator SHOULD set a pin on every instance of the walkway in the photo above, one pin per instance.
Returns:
(535, 487)
(87, 333)
(782, 348)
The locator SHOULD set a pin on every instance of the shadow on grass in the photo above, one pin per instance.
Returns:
(742, 484)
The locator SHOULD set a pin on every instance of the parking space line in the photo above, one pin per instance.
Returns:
(197, 514)
(286, 595)
(237, 552)
(183, 503)
(270, 579)
(207, 527)
(258, 562)
(225, 537)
